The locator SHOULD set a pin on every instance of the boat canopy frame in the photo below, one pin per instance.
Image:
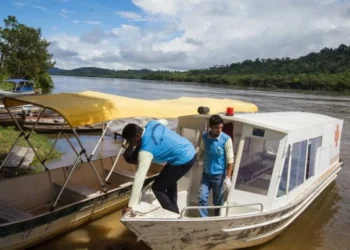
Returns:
(79, 153)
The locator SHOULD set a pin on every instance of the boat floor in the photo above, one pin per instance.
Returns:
(45, 208)
(145, 210)
(81, 192)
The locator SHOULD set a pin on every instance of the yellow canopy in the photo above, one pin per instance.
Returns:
(91, 107)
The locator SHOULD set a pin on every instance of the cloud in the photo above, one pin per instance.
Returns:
(39, 7)
(94, 37)
(92, 22)
(61, 53)
(76, 21)
(129, 15)
(54, 28)
(65, 11)
(192, 34)
(20, 4)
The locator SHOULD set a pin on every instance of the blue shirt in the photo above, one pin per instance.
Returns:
(215, 157)
(166, 145)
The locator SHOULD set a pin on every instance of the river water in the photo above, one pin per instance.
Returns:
(324, 225)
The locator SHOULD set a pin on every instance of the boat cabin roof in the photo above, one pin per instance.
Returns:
(19, 81)
(284, 122)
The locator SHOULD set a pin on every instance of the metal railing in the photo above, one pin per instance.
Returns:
(219, 207)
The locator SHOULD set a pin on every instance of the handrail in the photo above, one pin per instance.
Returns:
(216, 207)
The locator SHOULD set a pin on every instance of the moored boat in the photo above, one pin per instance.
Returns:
(283, 161)
(20, 87)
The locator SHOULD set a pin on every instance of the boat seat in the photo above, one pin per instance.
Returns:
(119, 179)
(130, 172)
(75, 192)
(263, 164)
(9, 213)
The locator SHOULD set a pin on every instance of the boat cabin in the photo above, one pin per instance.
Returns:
(283, 161)
(278, 156)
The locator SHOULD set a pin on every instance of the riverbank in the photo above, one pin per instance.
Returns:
(41, 143)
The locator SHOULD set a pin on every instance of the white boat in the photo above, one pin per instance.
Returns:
(36, 207)
(21, 87)
(283, 161)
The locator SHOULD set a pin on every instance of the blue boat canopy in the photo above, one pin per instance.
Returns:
(18, 80)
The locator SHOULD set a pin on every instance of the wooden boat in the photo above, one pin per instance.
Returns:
(21, 87)
(26, 216)
(20, 113)
(53, 124)
(283, 161)
(54, 128)
(34, 208)
(7, 120)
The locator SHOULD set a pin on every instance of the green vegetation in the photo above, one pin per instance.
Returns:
(40, 143)
(98, 72)
(24, 54)
(327, 70)
(6, 86)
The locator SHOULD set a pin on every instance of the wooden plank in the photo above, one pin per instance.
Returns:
(16, 156)
(28, 158)
(20, 157)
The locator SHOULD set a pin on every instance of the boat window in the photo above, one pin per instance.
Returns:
(314, 144)
(284, 178)
(297, 170)
(256, 166)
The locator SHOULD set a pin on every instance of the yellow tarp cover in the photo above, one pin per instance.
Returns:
(91, 107)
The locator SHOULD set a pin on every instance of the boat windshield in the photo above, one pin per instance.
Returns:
(256, 166)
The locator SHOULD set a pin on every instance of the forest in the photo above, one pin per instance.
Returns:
(326, 70)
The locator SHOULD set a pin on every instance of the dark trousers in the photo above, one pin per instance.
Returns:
(165, 185)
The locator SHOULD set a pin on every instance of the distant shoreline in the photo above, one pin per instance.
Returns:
(267, 89)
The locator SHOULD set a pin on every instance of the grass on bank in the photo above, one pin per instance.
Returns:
(41, 143)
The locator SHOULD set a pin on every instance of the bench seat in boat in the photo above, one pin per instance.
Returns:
(75, 192)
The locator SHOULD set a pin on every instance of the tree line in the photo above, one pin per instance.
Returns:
(327, 70)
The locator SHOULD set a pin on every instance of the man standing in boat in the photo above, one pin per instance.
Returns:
(217, 150)
(159, 144)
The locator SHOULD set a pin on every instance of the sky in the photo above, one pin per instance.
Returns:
(181, 34)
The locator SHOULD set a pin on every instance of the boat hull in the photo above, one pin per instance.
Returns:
(13, 95)
(225, 232)
(23, 234)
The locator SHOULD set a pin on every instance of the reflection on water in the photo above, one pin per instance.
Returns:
(307, 231)
(324, 225)
(107, 147)
(106, 233)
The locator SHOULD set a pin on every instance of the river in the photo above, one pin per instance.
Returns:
(324, 225)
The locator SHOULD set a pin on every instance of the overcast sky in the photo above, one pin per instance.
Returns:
(181, 34)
